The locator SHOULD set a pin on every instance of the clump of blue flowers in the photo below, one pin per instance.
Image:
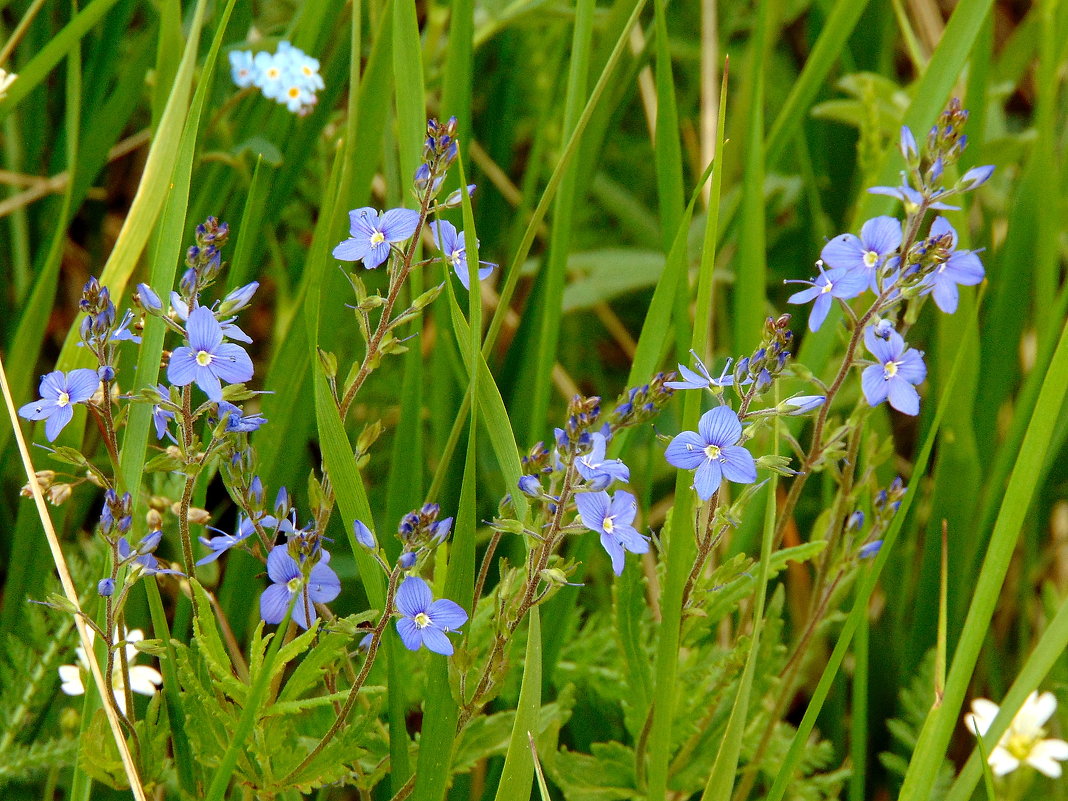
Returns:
(288, 76)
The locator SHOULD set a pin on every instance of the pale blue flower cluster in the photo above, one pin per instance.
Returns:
(288, 76)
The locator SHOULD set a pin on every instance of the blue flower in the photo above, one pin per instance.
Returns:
(242, 67)
(962, 267)
(601, 472)
(363, 534)
(321, 586)
(207, 360)
(898, 370)
(372, 234)
(235, 422)
(880, 237)
(425, 621)
(161, 417)
(143, 555)
(224, 542)
(912, 198)
(839, 282)
(701, 379)
(612, 518)
(870, 549)
(712, 451)
(59, 392)
(451, 244)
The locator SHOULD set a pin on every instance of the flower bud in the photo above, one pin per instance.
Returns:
(148, 299)
(407, 560)
(363, 534)
(105, 587)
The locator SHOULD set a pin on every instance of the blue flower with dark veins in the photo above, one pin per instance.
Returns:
(236, 421)
(424, 621)
(895, 376)
(879, 239)
(224, 542)
(372, 234)
(595, 468)
(321, 586)
(207, 360)
(962, 267)
(451, 244)
(838, 282)
(712, 451)
(59, 392)
(613, 519)
(702, 378)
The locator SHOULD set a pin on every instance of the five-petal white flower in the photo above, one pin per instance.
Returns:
(143, 679)
(1024, 741)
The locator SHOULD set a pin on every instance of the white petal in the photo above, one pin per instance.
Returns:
(72, 680)
(144, 679)
(1002, 762)
(983, 714)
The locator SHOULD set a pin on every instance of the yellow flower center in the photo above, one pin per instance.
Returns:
(890, 369)
(871, 258)
(273, 73)
(1020, 745)
(203, 358)
(422, 620)
(63, 399)
(306, 70)
(294, 91)
(826, 288)
(456, 256)
(712, 451)
(377, 238)
(294, 584)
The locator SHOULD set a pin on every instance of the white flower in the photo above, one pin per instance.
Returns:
(143, 679)
(6, 79)
(1023, 742)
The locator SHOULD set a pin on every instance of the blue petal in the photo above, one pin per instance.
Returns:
(903, 396)
(204, 330)
(874, 384)
(413, 597)
(231, 363)
(323, 583)
(351, 249)
(436, 641)
(738, 465)
(281, 567)
(399, 224)
(446, 614)
(614, 548)
(58, 420)
(82, 384)
(720, 426)
(274, 602)
(592, 507)
(411, 635)
(686, 451)
(707, 479)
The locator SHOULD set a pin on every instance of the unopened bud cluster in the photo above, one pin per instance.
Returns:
(640, 404)
(204, 259)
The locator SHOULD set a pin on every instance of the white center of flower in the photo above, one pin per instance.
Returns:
(890, 369)
(203, 358)
(422, 620)
(294, 584)
(456, 256)
(871, 258)
(826, 288)
(377, 238)
(712, 451)
(63, 399)
(609, 525)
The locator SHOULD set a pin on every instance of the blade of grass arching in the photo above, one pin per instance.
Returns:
(940, 722)
(725, 768)
(164, 265)
(440, 711)
(1045, 248)
(666, 142)
(866, 586)
(988, 777)
(37, 69)
(553, 276)
(679, 541)
(404, 487)
(518, 771)
(751, 270)
(1048, 652)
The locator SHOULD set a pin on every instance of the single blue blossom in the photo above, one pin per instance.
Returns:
(879, 239)
(372, 234)
(59, 392)
(161, 416)
(595, 468)
(613, 519)
(142, 555)
(962, 267)
(425, 621)
(838, 282)
(911, 198)
(207, 360)
(899, 370)
(237, 421)
(242, 67)
(702, 379)
(870, 549)
(713, 453)
(451, 244)
(224, 542)
(321, 586)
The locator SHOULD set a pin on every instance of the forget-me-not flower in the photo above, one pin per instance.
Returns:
(242, 68)
(59, 392)
(879, 239)
(899, 369)
(712, 451)
(838, 282)
(207, 360)
(372, 233)
(613, 519)
(451, 244)
(425, 621)
(962, 267)
(321, 586)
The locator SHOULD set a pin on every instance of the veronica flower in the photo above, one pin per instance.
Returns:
(613, 519)
(425, 621)
(912, 198)
(143, 555)
(321, 586)
(712, 452)
(1023, 742)
(236, 422)
(899, 369)
(224, 542)
(601, 472)
(372, 233)
(879, 239)
(207, 360)
(962, 267)
(143, 679)
(161, 416)
(702, 379)
(838, 282)
(59, 392)
(451, 244)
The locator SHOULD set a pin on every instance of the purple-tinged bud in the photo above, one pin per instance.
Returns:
(407, 560)
(883, 328)
(106, 373)
(870, 550)
(365, 642)
(441, 530)
(105, 587)
(238, 299)
(150, 542)
(255, 491)
(856, 521)
(148, 299)
(529, 485)
(363, 534)
(935, 171)
(975, 177)
(422, 177)
(803, 404)
(455, 199)
(763, 380)
(908, 146)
